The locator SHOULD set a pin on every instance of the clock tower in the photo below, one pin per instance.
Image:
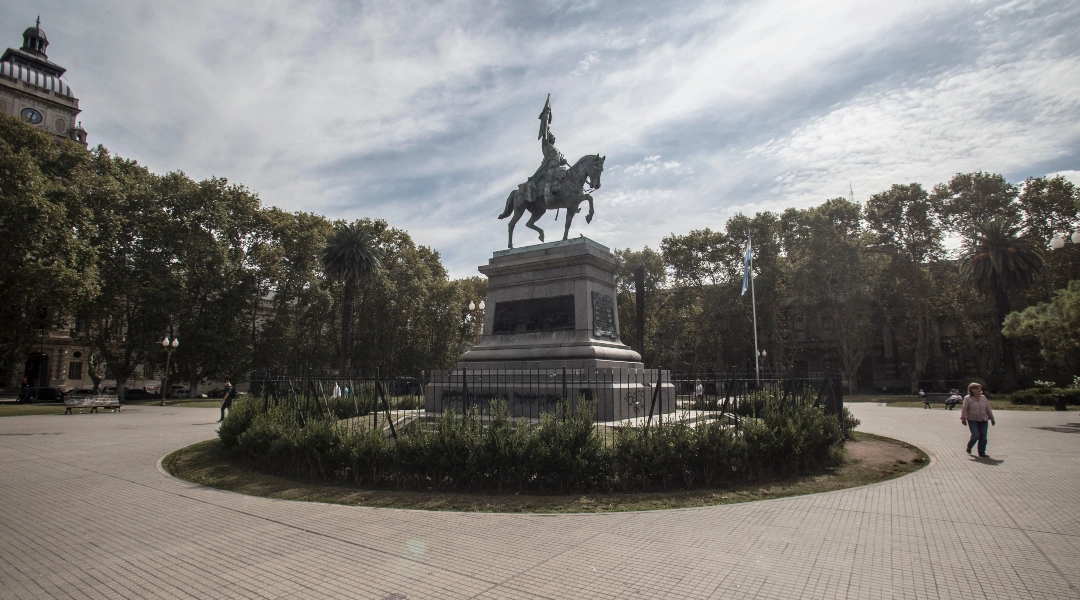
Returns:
(31, 87)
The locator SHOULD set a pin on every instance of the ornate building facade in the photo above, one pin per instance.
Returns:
(32, 87)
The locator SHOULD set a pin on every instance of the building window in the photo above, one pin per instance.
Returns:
(75, 370)
(826, 323)
(148, 371)
(952, 366)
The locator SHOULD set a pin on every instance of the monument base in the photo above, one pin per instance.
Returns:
(551, 332)
(616, 393)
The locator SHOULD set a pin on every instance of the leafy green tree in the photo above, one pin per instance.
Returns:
(1052, 206)
(906, 231)
(1055, 325)
(996, 262)
(833, 275)
(409, 319)
(295, 322)
(969, 199)
(47, 261)
(124, 322)
(203, 234)
(352, 256)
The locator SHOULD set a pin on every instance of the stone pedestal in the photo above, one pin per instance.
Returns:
(552, 308)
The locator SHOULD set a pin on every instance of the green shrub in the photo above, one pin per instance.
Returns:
(239, 417)
(1044, 396)
(563, 451)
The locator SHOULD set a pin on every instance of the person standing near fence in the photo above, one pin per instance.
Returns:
(975, 413)
(227, 399)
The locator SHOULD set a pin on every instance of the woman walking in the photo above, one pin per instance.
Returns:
(975, 413)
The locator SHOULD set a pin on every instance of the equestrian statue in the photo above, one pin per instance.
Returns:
(554, 185)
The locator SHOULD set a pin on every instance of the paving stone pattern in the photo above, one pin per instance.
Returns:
(85, 513)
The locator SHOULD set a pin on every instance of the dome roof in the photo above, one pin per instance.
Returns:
(35, 32)
(35, 77)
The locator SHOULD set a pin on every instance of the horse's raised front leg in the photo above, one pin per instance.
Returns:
(588, 217)
(531, 223)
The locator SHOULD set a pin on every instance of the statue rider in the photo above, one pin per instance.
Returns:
(552, 169)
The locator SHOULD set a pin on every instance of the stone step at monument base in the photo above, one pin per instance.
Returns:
(619, 393)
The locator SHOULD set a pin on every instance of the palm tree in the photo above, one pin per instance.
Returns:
(1000, 261)
(352, 255)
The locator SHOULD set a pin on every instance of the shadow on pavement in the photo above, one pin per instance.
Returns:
(1067, 428)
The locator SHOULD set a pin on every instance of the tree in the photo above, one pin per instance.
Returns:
(906, 231)
(997, 261)
(833, 275)
(124, 323)
(47, 261)
(1056, 326)
(973, 198)
(353, 257)
(1052, 207)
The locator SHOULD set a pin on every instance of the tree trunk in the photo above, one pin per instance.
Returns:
(1008, 357)
(346, 323)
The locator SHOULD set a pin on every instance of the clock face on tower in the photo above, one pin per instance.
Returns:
(31, 115)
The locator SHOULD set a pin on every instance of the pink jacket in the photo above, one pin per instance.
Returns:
(976, 409)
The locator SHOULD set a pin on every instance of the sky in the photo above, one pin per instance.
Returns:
(425, 113)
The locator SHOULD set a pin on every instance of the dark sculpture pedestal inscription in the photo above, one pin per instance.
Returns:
(534, 315)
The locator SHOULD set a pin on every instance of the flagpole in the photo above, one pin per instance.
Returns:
(753, 302)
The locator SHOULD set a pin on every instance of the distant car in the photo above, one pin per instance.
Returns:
(179, 392)
(48, 394)
(215, 393)
(137, 394)
(83, 393)
(406, 386)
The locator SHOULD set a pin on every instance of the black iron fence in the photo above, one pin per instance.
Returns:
(612, 397)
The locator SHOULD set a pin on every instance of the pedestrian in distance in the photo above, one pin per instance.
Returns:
(699, 390)
(975, 414)
(954, 399)
(227, 399)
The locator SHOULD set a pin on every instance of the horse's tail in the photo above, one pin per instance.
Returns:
(509, 205)
(556, 215)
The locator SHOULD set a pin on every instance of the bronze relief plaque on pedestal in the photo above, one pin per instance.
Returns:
(603, 311)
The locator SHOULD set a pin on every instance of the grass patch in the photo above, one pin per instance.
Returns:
(868, 459)
(194, 403)
(20, 410)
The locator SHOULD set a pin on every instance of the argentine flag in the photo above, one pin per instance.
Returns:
(746, 268)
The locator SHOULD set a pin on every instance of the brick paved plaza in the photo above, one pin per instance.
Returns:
(87, 514)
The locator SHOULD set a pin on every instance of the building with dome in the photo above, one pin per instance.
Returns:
(31, 87)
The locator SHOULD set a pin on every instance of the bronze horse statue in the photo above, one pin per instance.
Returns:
(570, 195)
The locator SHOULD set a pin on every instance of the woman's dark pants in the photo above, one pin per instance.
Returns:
(978, 434)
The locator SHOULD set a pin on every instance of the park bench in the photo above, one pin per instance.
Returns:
(91, 402)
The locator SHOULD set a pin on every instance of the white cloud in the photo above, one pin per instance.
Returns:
(425, 113)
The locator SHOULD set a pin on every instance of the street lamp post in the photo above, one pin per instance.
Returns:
(472, 308)
(1058, 243)
(169, 347)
